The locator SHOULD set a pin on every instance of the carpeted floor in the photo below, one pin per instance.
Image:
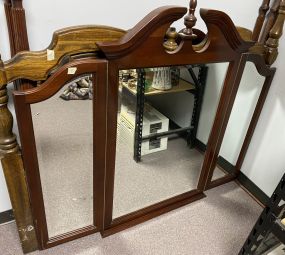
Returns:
(157, 177)
(63, 132)
(216, 225)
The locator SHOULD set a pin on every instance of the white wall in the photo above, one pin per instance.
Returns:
(264, 162)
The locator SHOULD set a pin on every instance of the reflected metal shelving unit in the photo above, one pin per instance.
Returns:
(196, 88)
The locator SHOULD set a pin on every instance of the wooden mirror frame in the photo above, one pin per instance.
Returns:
(222, 44)
(10, 155)
(233, 170)
(65, 43)
(22, 101)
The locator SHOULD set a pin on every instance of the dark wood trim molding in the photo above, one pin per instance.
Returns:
(125, 222)
(268, 73)
(118, 50)
(22, 100)
(222, 44)
(241, 178)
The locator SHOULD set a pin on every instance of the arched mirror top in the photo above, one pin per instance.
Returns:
(222, 43)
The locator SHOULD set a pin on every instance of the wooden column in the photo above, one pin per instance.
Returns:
(14, 172)
(275, 34)
(19, 26)
(8, 6)
(18, 36)
(260, 20)
(270, 20)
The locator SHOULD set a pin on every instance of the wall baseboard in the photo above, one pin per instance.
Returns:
(6, 216)
(242, 179)
(252, 188)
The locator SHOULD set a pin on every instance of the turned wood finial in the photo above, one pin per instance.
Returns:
(270, 20)
(190, 21)
(275, 34)
(171, 36)
(260, 19)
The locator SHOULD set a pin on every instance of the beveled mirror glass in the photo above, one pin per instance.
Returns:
(63, 128)
(164, 160)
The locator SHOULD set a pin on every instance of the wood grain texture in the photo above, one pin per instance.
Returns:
(245, 33)
(9, 20)
(17, 186)
(20, 35)
(217, 23)
(23, 100)
(74, 40)
(222, 44)
(136, 36)
(260, 20)
(270, 20)
(227, 28)
(8, 143)
(275, 34)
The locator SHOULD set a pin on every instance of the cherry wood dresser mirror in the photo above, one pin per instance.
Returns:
(116, 150)
(62, 138)
(139, 188)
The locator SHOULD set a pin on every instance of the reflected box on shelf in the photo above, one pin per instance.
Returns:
(153, 122)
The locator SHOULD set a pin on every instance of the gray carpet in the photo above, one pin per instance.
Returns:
(216, 225)
(157, 177)
(63, 131)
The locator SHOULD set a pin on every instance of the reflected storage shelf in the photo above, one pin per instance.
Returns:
(182, 86)
(138, 91)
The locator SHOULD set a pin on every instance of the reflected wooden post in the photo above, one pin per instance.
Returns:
(270, 19)
(260, 19)
(274, 36)
(14, 172)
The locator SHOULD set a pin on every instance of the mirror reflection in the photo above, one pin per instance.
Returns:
(63, 128)
(241, 115)
(164, 119)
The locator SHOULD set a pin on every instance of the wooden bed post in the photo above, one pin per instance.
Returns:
(7, 7)
(14, 173)
(270, 20)
(16, 22)
(18, 36)
(260, 20)
(274, 36)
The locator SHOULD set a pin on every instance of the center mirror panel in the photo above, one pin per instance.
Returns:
(163, 124)
(63, 129)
